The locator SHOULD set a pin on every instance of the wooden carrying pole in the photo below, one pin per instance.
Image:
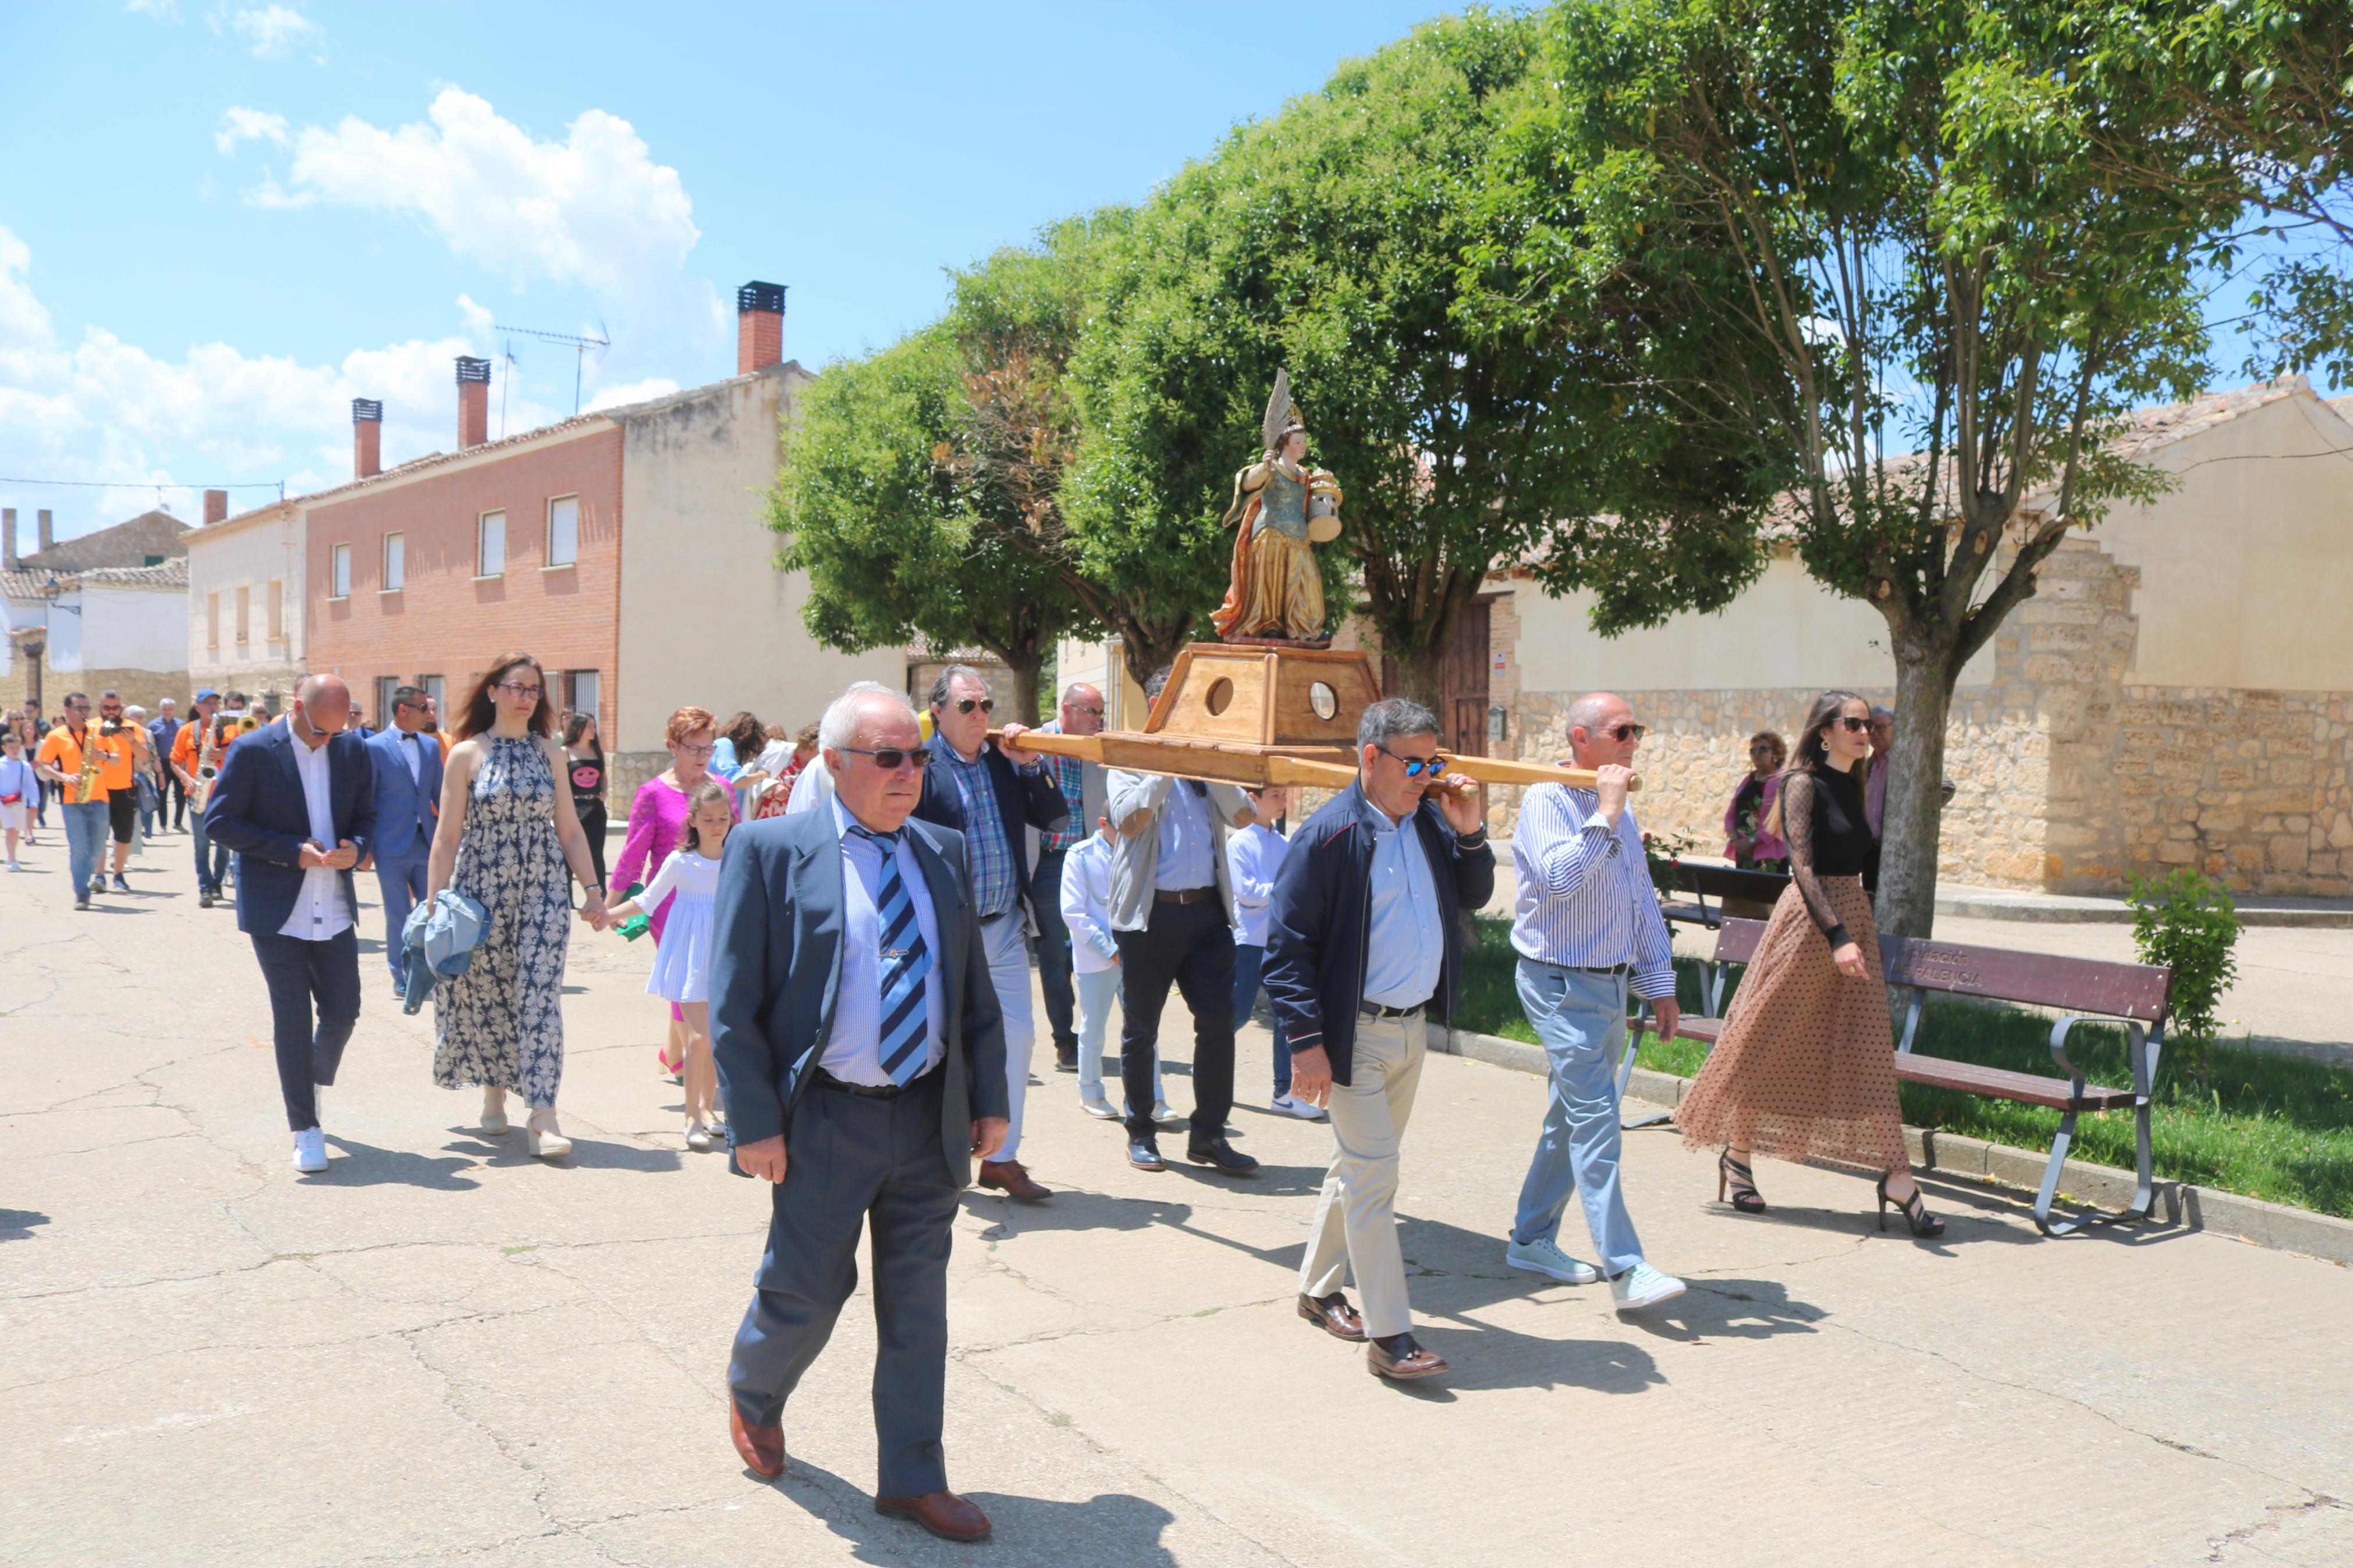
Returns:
(1233, 763)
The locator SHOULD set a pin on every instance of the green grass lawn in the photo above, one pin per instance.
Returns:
(2271, 1126)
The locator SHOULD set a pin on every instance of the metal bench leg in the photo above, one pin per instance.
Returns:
(2050, 1188)
(1626, 1078)
(2143, 1051)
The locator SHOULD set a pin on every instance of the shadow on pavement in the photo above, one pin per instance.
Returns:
(588, 1153)
(16, 1225)
(1116, 1527)
(365, 1166)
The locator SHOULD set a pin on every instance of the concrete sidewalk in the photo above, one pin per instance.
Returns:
(442, 1351)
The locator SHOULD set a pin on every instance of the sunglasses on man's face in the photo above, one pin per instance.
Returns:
(966, 704)
(1621, 733)
(890, 759)
(1852, 725)
(1415, 767)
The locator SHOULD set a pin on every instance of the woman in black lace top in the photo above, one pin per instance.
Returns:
(1806, 1067)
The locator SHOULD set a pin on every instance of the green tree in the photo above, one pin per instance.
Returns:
(897, 526)
(1336, 240)
(1887, 219)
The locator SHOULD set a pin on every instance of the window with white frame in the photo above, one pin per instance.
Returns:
(582, 691)
(385, 685)
(432, 684)
(564, 531)
(339, 573)
(490, 553)
(396, 563)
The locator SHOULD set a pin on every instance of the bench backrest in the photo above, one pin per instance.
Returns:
(1732, 883)
(2102, 986)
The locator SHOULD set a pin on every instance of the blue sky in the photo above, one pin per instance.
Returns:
(221, 220)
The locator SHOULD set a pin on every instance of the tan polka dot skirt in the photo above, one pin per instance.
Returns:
(1806, 1068)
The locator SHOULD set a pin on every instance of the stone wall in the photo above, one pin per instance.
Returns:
(144, 687)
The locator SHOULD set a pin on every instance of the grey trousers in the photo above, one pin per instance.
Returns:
(852, 1161)
(1356, 1217)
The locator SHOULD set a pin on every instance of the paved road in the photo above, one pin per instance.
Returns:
(443, 1353)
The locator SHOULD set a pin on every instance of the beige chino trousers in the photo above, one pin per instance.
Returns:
(1355, 1217)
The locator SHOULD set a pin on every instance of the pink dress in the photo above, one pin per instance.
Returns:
(657, 821)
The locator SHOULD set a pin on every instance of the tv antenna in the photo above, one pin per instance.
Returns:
(580, 347)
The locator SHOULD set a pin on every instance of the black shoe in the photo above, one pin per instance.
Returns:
(1145, 1155)
(1227, 1159)
(204, 900)
(1066, 1057)
(82, 902)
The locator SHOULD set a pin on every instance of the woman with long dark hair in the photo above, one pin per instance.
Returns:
(583, 755)
(1806, 1067)
(507, 833)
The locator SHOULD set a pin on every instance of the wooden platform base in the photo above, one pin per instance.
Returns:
(1302, 701)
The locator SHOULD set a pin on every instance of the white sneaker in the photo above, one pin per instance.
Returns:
(698, 1137)
(311, 1151)
(1291, 1105)
(1546, 1259)
(1163, 1112)
(1643, 1286)
(1099, 1107)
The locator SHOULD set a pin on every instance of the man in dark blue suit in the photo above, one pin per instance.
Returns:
(862, 1059)
(407, 761)
(990, 792)
(296, 802)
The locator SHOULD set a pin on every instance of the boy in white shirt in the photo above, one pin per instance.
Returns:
(1254, 856)
(1094, 965)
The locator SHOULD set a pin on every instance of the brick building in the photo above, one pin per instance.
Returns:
(105, 610)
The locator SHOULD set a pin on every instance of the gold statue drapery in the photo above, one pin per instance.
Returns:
(1281, 508)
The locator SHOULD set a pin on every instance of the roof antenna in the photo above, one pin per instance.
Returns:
(580, 347)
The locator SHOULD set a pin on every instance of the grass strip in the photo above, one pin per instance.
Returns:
(2271, 1126)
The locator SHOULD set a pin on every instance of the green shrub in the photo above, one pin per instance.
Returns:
(2188, 923)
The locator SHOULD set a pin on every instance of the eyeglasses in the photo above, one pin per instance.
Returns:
(890, 759)
(1090, 712)
(521, 691)
(1621, 733)
(1416, 766)
(966, 704)
(700, 751)
(1852, 725)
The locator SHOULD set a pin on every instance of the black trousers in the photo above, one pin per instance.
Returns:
(853, 1162)
(301, 974)
(1191, 945)
(592, 823)
(1053, 945)
(179, 801)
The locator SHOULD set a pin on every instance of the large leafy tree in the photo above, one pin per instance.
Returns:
(891, 499)
(1338, 240)
(1927, 302)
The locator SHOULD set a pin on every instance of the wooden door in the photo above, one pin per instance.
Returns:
(1463, 701)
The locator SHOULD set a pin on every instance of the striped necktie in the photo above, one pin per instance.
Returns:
(900, 965)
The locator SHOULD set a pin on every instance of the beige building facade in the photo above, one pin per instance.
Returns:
(2178, 693)
(246, 608)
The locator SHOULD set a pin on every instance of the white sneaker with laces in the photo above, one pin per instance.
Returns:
(1163, 1112)
(1546, 1259)
(1099, 1107)
(311, 1151)
(1643, 1286)
(1291, 1105)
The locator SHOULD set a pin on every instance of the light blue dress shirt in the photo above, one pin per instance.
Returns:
(1584, 898)
(1405, 943)
(1254, 856)
(853, 1049)
(1188, 841)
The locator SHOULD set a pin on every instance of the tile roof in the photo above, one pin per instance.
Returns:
(36, 585)
(126, 543)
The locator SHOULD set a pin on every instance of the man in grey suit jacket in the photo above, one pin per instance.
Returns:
(862, 1057)
(408, 761)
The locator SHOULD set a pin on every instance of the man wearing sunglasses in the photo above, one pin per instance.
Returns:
(1364, 946)
(1173, 916)
(990, 791)
(1586, 926)
(857, 1036)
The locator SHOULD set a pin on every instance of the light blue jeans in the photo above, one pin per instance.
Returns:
(1581, 1016)
(87, 835)
(1097, 992)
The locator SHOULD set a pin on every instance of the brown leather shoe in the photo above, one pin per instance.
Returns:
(763, 1448)
(944, 1514)
(1400, 1358)
(1009, 1177)
(1333, 1316)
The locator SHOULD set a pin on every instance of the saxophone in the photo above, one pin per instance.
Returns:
(89, 766)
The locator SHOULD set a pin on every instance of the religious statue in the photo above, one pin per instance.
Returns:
(1280, 506)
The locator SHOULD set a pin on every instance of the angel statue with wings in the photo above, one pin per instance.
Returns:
(1280, 506)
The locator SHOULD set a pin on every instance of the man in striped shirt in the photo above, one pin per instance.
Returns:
(1587, 923)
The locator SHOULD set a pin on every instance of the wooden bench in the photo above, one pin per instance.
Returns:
(1726, 885)
(2089, 991)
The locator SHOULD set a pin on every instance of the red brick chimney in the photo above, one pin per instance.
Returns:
(759, 327)
(8, 538)
(42, 521)
(367, 436)
(216, 507)
(473, 401)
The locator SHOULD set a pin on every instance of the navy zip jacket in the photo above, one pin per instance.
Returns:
(1318, 935)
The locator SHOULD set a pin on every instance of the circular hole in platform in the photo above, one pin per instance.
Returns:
(1323, 699)
(1219, 698)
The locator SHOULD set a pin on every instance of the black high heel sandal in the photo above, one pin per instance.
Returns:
(1915, 1211)
(1730, 1173)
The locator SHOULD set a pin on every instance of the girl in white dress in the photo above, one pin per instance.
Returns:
(689, 879)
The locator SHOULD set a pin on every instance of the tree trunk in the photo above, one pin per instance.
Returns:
(1914, 820)
(1421, 676)
(1025, 666)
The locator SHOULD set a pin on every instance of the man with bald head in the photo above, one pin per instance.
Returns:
(1081, 784)
(1586, 926)
(296, 802)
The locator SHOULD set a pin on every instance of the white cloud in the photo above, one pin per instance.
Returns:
(167, 9)
(275, 32)
(239, 125)
(105, 410)
(631, 392)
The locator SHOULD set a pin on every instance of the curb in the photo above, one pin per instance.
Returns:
(2090, 912)
(2279, 1226)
